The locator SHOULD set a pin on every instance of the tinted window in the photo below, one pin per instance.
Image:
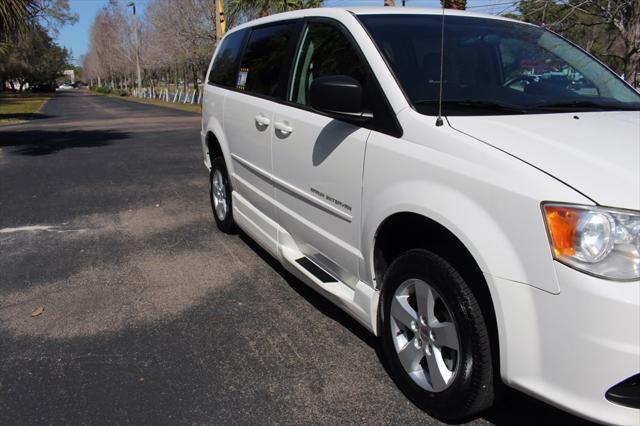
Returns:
(493, 66)
(324, 51)
(263, 68)
(225, 66)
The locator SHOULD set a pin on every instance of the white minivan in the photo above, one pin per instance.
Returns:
(496, 242)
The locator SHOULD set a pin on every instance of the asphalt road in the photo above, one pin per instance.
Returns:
(150, 314)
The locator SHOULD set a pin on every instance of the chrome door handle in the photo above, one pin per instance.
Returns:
(283, 128)
(261, 120)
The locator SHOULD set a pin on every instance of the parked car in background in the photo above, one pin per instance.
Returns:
(496, 242)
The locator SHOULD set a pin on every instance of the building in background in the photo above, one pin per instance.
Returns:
(69, 76)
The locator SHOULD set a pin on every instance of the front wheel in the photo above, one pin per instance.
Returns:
(220, 194)
(434, 337)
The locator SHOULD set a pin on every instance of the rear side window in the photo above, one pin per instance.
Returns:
(263, 69)
(225, 66)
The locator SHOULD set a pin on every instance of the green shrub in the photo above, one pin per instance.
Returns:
(106, 90)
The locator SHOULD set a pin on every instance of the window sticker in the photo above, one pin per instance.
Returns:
(242, 78)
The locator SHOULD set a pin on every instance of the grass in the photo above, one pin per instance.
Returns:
(16, 107)
(181, 106)
(185, 107)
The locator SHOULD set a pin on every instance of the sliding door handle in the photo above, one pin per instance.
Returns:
(283, 128)
(261, 120)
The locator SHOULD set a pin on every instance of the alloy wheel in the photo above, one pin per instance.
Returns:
(424, 335)
(219, 195)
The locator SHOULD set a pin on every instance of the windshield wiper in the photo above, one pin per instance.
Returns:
(603, 106)
(472, 103)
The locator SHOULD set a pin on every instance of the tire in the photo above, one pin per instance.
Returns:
(469, 389)
(220, 196)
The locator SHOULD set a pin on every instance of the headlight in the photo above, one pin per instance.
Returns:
(599, 241)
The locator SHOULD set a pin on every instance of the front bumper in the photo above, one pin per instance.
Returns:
(569, 349)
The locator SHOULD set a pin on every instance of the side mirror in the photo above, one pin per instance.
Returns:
(340, 96)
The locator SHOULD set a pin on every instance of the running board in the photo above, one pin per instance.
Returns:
(360, 302)
(315, 270)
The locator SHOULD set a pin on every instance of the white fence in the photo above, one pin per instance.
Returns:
(180, 96)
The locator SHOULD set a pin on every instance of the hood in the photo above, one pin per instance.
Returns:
(596, 153)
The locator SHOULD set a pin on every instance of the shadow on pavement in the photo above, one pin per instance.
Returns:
(514, 407)
(45, 142)
(518, 408)
(24, 116)
(319, 302)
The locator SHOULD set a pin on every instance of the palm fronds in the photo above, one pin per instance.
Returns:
(238, 10)
(15, 14)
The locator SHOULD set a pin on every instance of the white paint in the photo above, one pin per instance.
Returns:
(36, 228)
(32, 228)
(481, 177)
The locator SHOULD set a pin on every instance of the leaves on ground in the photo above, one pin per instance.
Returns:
(37, 311)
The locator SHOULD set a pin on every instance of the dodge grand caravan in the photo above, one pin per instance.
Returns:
(471, 199)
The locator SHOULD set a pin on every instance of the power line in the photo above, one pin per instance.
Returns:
(512, 2)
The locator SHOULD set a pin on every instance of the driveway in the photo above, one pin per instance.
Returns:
(150, 314)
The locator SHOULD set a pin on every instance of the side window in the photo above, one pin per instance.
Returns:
(325, 50)
(225, 65)
(262, 66)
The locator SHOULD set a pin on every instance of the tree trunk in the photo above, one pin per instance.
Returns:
(177, 78)
(184, 78)
(195, 81)
(454, 4)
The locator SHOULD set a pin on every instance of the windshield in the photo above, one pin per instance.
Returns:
(494, 66)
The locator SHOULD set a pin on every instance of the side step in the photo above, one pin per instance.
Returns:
(360, 302)
(315, 270)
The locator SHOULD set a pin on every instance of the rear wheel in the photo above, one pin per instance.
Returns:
(434, 337)
(220, 194)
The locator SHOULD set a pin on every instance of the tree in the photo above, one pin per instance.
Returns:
(24, 20)
(250, 9)
(454, 4)
(111, 55)
(609, 29)
(53, 14)
(179, 39)
(34, 58)
(14, 17)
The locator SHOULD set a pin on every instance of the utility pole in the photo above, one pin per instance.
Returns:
(135, 30)
(219, 18)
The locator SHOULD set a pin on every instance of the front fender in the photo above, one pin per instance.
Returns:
(489, 200)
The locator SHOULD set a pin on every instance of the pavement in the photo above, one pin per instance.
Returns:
(151, 315)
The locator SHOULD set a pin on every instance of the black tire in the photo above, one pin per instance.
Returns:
(471, 389)
(226, 224)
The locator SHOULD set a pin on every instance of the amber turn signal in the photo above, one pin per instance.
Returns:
(562, 223)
